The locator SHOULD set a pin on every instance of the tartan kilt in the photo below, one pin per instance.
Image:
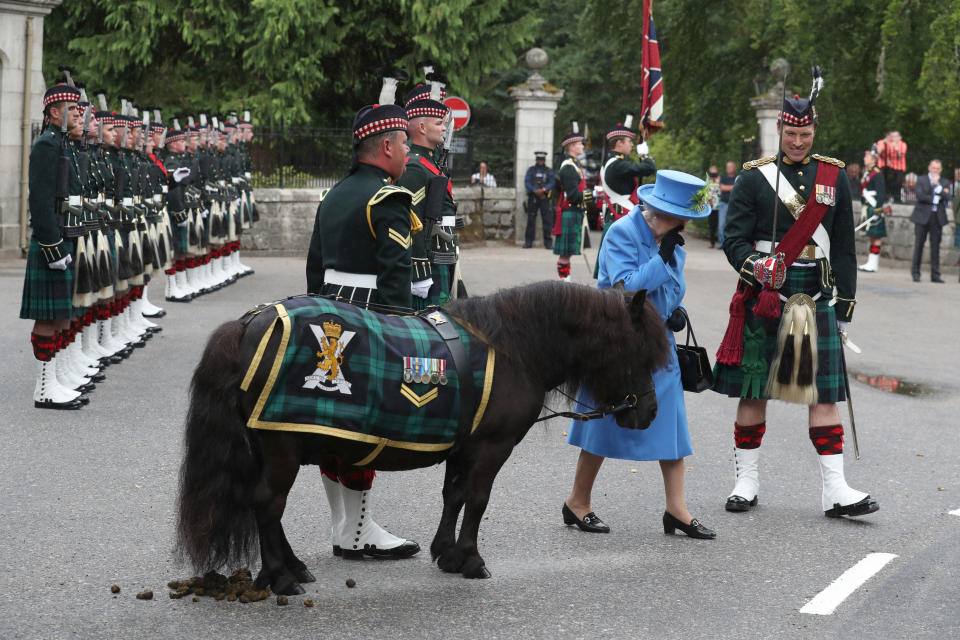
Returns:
(571, 233)
(439, 293)
(179, 238)
(878, 229)
(749, 380)
(47, 293)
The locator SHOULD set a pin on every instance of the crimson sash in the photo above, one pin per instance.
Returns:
(790, 246)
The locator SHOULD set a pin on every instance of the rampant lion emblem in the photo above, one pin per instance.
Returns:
(329, 373)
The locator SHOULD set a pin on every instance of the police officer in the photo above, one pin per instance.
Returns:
(539, 182)
(360, 252)
(790, 350)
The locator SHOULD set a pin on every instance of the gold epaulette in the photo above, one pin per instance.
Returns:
(388, 190)
(759, 162)
(839, 163)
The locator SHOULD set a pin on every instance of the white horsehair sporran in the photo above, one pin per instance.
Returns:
(793, 372)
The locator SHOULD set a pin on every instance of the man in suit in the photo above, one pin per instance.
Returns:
(929, 217)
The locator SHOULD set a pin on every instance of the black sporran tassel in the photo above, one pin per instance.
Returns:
(256, 214)
(805, 372)
(787, 356)
(83, 273)
(194, 236)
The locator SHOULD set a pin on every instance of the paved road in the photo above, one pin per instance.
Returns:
(87, 500)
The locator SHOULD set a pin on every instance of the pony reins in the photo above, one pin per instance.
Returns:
(629, 402)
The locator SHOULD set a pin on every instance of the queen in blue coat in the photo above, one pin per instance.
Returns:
(643, 250)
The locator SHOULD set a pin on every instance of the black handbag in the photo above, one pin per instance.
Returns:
(696, 374)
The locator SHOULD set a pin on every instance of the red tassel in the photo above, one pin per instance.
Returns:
(731, 347)
(768, 305)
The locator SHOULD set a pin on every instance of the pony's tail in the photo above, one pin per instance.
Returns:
(221, 465)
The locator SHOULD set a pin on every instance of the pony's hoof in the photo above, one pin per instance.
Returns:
(287, 587)
(303, 575)
(448, 564)
(479, 573)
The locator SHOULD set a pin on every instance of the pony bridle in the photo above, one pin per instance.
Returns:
(630, 401)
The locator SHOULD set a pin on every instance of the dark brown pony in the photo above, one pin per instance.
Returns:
(234, 481)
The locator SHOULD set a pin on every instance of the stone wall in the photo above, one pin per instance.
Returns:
(287, 216)
(898, 244)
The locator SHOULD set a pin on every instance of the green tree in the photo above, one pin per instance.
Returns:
(307, 61)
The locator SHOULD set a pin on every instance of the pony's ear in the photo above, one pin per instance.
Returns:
(619, 286)
(636, 304)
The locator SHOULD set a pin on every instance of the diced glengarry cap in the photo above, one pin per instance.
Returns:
(60, 93)
(572, 136)
(623, 129)
(378, 118)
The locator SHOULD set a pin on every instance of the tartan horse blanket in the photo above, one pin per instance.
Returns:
(343, 371)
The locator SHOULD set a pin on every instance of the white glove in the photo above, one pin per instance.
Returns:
(871, 197)
(236, 203)
(62, 264)
(205, 213)
(643, 149)
(842, 326)
(184, 223)
(938, 189)
(421, 289)
(181, 174)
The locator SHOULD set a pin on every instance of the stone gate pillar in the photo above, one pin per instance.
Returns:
(535, 102)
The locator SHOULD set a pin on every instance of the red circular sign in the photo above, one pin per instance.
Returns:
(461, 111)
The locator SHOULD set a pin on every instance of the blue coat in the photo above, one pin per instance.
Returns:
(630, 253)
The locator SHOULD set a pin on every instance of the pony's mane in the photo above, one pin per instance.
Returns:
(558, 328)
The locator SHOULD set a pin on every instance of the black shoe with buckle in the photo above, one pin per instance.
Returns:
(590, 523)
(862, 508)
(738, 503)
(694, 529)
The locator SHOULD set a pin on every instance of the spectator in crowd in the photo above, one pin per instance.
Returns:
(929, 216)
(713, 199)
(482, 177)
(726, 186)
(873, 208)
(539, 183)
(892, 160)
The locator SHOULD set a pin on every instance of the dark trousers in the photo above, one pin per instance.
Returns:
(712, 223)
(892, 180)
(920, 232)
(545, 211)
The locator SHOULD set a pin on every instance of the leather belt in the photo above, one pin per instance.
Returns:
(345, 279)
(810, 252)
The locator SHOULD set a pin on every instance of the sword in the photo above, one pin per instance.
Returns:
(846, 386)
(585, 230)
(776, 188)
(866, 222)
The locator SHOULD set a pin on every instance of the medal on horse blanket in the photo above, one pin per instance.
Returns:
(339, 370)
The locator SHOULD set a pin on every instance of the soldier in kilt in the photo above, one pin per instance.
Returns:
(790, 351)
(48, 280)
(873, 203)
(571, 208)
(360, 252)
(433, 249)
(176, 164)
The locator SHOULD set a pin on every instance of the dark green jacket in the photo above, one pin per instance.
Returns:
(623, 176)
(750, 218)
(363, 226)
(569, 175)
(415, 179)
(45, 219)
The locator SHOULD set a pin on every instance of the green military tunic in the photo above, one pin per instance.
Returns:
(47, 293)
(749, 220)
(570, 221)
(421, 168)
(363, 226)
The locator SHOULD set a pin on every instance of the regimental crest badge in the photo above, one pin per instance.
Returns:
(425, 370)
(333, 339)
(826, 194)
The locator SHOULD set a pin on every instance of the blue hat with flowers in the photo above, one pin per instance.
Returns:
(677, 194)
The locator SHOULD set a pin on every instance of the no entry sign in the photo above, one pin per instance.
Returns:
(461, 111)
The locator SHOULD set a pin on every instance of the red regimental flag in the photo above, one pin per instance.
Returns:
(651, 116)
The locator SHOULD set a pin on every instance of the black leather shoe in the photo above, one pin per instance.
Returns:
(405, 550)
(158, 314)
(48, 404)
(98, 377)
(916, 278)
(862, 508)
(938, 279)
(590, 523)
(528, 246)
(694, 529)
(738, 503)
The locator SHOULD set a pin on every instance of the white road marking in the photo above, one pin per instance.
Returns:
(955, 512)
(826, 602)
